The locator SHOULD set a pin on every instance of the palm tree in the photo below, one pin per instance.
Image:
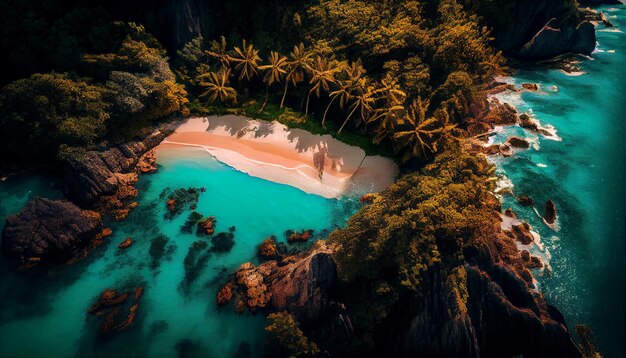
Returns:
(344, 95)
(219, 51)
(424, 134)
(275, 71)
(363, 100)
(353, 74)
(247, 60)
(299, 62)
(389, 117)
(322, 75)
(217, 86)
(391, 92)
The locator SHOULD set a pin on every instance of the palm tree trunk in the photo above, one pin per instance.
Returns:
(347, 119)
(306, 111)
(267, 95)
(326, 111)
(282, 101)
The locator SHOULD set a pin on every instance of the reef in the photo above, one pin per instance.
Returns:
(116, 310)
(180, 200)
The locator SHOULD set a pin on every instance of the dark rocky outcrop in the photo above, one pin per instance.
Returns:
(536, 29)
(49, 230)
(560, 36)
(302, 284)
(518, 142)
(550, 215)
(104, 178)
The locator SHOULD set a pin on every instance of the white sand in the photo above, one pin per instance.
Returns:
(274, 152)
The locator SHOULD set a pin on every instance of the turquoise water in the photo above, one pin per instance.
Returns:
(46, 316)
(584, 175)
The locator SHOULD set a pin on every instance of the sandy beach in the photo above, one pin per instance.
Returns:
(317, 164)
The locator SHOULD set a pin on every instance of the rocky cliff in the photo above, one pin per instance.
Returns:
(103, 179)
(487, 308)
(536, 29)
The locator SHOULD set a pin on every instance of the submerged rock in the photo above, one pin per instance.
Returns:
(206, 226)
(223, 242)
(126, 243)
(180, 199)
(525, 200)
(296, 237)
(117, 310)
(49, 230)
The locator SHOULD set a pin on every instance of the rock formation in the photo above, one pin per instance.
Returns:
(301, 284)
(104, 179)
(537, 29)
(550, 215)
(49, 230)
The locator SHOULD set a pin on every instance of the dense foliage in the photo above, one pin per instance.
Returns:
(118, 94)
(285, 338)
(408, 72)
(419, 225)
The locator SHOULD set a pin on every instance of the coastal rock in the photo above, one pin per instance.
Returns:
(268, 250)
(505, 150)
(301, 284)
(296, 237)
(250, 280)
(224, 295)
(304, 287)
(522, 233)
(92, 176)
(49, 230)
(531, 86)
(537, 29)
(527, 122)
(550, 213)
(367, 198)
(509, 213)
(518, 142)
(525, 200)
(560, 36)
(147, 163)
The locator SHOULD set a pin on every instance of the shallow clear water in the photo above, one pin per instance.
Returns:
(46, 316)
(584, 175)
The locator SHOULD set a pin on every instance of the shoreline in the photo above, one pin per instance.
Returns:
(316, 164)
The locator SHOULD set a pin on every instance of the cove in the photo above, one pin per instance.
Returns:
(583, 174)
(46, 316)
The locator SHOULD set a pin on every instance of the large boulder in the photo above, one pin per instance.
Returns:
(48, 230)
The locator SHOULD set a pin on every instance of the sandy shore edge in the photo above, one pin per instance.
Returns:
(316, 164)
